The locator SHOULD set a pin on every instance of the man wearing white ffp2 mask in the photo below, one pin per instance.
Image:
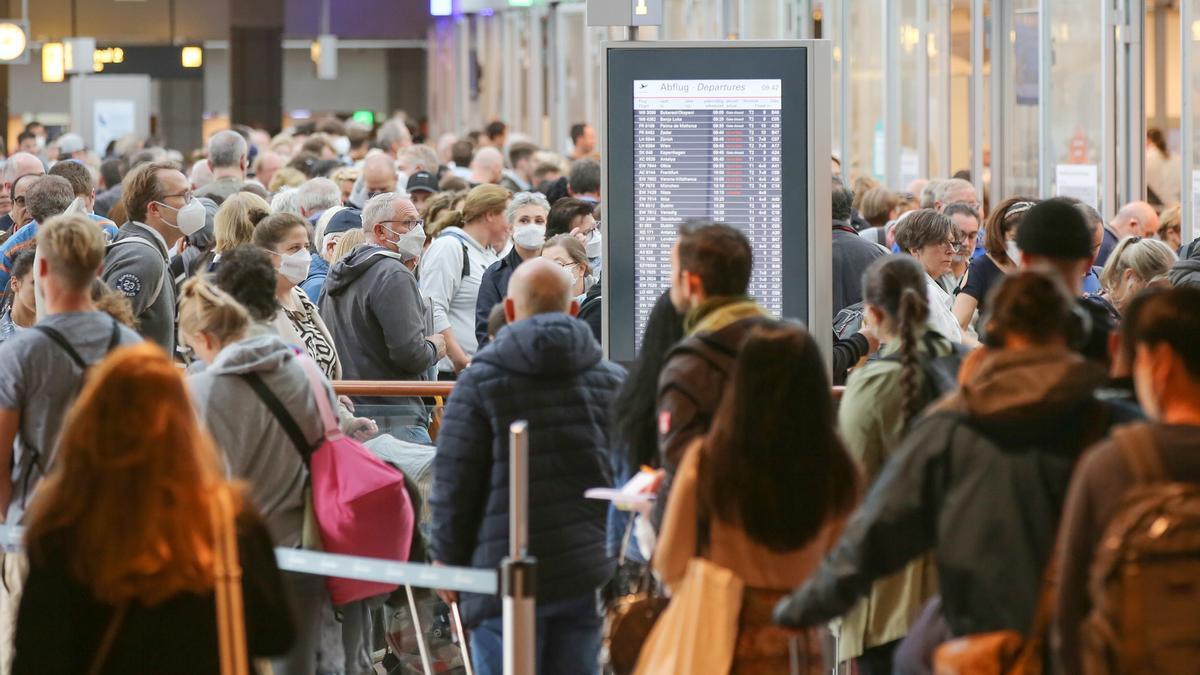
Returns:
(528, 214)
(161, 211)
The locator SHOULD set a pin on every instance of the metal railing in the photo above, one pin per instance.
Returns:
(418, 388)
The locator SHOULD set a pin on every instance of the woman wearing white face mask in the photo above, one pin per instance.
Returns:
(527, 214)
(285, 237)
(568, 253)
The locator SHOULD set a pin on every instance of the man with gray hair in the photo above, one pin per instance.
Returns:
(376, 314)
(526, 214)
(315, 196)
(954, 191)
(20, 164)
(228, 158)
(393, 137)
(544, 367)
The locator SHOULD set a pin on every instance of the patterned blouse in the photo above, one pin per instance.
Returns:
(317, 342)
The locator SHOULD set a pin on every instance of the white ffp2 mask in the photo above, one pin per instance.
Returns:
(529, 236)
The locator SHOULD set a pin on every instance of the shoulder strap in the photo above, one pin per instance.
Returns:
(115, 339)
(227, 588)
(316, 379)
(281, 414)
(466, 265)
(1137, 445)
(62, 342)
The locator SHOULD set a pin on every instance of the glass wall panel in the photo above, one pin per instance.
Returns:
(1076, 111)
(937, 47)
(864, 119)
(1018, 142)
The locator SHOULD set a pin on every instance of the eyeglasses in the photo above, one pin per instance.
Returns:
(410, 224)
(565, 265)
(187, 196)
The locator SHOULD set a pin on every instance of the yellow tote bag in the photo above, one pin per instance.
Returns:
(697, 634)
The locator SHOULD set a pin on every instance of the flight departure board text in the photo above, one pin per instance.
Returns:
(707, 150)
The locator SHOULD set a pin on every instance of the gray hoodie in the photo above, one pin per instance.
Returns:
(375, 312)
(255, 446)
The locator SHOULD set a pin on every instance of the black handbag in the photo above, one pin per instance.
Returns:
(630, 614)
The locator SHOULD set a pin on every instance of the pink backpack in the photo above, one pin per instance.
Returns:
(360, 503)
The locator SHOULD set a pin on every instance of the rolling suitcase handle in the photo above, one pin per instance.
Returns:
(424, 649)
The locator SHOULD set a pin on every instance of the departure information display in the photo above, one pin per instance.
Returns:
(708, 150)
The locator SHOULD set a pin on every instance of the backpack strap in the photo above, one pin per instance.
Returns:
(281, 414)
(466, 265)
(1140, 451)
(63, 344)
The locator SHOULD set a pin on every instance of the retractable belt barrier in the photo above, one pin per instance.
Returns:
(462, 579)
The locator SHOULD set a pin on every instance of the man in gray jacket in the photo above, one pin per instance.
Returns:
(136, 264)
(375, 311)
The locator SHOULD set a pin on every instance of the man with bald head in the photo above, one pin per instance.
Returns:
(1135, 219)
(379, 174)
(20, 164)
(546, 368)
(376, 314)
(487, 166)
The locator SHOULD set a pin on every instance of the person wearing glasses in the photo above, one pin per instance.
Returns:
(932, 239)
(568, 253)
(375, 311)
(1000, 258)
(158, 200)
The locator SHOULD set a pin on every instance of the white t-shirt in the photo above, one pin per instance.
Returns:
(941, 313)
(451, 294)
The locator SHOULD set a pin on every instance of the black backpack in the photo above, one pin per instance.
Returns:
(32, 458)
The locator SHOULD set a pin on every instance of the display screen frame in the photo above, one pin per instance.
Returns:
(804, 68)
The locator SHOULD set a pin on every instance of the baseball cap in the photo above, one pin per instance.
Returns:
(344, 221)
(422, 181)
(1054, 228)
(69, 143)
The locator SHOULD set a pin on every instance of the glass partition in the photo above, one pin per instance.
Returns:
(1076, 115)
(867, 153)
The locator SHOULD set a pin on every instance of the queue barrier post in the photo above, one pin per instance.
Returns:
(518, 572)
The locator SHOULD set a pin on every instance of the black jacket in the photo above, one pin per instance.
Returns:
(591, 311)
(981, 481)
(851, 256)
(492, 291)
(549, 371)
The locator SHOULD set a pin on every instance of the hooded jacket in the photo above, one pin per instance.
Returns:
(981, 481)
(375, 312)
(255, 446)
(696, 370)
(1186, 271)
(548, 370)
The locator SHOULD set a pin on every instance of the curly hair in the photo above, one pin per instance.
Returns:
(246, 273)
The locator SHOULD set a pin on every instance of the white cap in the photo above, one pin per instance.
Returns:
(70, 143)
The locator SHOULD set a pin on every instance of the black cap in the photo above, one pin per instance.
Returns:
(422, 181)
(344, 221)
(1055, 229)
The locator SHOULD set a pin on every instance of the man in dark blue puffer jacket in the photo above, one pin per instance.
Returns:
(544, 367)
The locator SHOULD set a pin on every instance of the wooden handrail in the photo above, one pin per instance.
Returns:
(396, 388)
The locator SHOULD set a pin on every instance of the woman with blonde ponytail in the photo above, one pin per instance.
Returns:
(882, 400)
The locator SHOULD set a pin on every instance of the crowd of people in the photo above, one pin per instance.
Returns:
(1021, 388)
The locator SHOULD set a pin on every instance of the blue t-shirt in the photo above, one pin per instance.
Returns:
(982, 274)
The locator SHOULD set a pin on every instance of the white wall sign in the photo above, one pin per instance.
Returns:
(112, 119)
(1079, 181)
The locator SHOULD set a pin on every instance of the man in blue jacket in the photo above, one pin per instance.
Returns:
(544, 367)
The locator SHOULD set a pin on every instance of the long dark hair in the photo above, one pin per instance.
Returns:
(896, 286)
(772, 461)
(636, 404)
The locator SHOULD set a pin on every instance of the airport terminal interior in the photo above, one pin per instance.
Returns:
(599, 337)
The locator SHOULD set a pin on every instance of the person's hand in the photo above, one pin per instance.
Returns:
(460, 366)
(655, 485)
(362, 429)
(439, 343)
(448, 597)
(346, 402)
(868, 331)
(579, 234)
